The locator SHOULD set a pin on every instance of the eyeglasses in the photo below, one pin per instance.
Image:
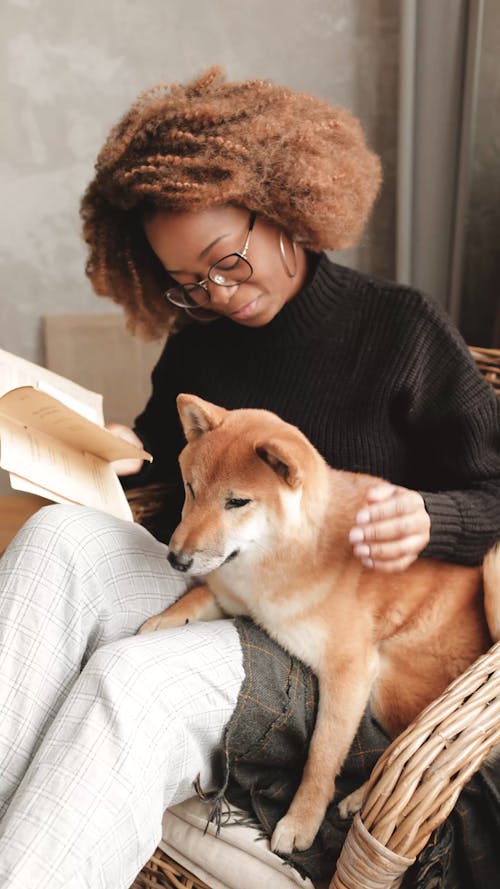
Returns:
(229, 271)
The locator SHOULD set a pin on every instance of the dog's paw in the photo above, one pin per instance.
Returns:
(162, 621)
(149, 626)
(352, 803)
(292, 833)
(166, 620)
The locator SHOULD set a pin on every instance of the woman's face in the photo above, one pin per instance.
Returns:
(189, 243)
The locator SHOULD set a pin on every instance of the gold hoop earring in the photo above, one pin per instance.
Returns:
(283, 256)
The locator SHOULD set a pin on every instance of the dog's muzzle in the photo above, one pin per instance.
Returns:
(180, 561)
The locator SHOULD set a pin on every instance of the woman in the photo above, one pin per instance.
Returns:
(206, 218)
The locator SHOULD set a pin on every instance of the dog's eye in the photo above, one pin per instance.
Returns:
(235, 503)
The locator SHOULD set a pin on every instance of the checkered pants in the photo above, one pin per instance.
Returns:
(100, 730)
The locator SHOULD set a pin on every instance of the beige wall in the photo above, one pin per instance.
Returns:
(70, 69)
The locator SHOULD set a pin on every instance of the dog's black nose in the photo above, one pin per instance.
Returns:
(179, 561)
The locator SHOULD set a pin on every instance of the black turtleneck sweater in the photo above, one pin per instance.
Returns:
(376, 377)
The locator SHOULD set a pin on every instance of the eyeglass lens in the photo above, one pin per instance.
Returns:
(230, 270)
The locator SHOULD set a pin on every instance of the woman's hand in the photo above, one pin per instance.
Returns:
(131, 465)
(392, 528)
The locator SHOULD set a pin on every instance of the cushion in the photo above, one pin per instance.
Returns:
(221, 860)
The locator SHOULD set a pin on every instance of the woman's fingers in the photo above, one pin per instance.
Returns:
(396, 549)
(125, 432)
(130, 465)
(392, 528)
(127, 466)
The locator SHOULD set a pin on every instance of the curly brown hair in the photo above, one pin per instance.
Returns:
(292, 158)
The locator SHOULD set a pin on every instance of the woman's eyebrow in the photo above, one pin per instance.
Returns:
(201, 255)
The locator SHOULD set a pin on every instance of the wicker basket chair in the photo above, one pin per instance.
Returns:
(417, 780)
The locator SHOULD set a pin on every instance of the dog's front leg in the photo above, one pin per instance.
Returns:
(344, 690)
(198, 603)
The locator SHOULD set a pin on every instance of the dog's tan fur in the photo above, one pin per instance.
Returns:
(395, 641)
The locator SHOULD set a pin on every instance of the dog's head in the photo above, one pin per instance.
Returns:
(246, 475)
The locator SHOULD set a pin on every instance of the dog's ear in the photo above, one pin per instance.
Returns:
(198, 416)
(279, 456)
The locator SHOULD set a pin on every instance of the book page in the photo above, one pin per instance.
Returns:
(15, 372)
(80, 477)
(22, 484)
(85, 410)
(39, 411)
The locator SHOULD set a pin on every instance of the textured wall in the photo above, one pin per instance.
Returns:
(71, 68)
(480, 320)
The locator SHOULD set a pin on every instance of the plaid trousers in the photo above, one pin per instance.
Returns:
(100, 730)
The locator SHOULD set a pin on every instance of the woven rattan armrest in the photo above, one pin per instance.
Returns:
(416, 782)
(146, 502)
(162, 872)
(488, 362)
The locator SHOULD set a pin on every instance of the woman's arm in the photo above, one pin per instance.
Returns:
(451, 424)
(456, 435)
(159, 430)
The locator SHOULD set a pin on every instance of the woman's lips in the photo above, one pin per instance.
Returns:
(246, 311)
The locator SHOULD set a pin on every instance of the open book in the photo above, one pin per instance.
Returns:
(53, 442)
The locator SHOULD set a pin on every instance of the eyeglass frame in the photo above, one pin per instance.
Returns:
(205, 281)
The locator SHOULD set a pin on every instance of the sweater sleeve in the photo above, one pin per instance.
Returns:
(159, 428)
(454, 430)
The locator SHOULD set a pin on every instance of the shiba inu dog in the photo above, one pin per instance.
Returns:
(266, 522)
